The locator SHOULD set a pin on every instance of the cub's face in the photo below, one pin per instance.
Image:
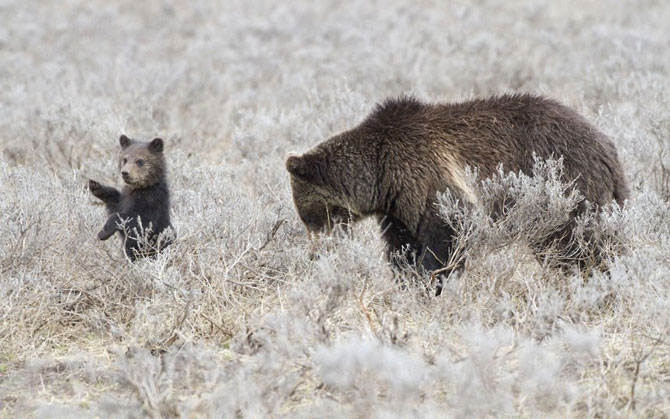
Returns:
(319, 206)
(141, 164)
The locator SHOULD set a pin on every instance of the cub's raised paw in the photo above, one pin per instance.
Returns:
(94, 187)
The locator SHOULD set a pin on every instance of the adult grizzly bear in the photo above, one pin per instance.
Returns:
(143, 206)
(405, 152)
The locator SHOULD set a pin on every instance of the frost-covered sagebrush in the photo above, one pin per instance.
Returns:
(234, 319)
(541, 211)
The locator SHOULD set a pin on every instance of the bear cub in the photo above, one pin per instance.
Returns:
(140, 212)
(393, 165)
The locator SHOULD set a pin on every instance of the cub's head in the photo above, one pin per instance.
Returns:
(317, 194)
(141, 163)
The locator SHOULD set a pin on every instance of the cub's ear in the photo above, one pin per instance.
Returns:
(125, 141)
(307, 168)
(156, 145)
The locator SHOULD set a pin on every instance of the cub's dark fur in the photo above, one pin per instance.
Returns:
(396, 161)
(145, 198)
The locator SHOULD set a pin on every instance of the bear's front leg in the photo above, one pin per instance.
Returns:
(438, 255)
(110, 196)
(437, 241)
(110, 226)
(401, 245)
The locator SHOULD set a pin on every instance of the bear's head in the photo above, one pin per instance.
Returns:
(141, 163)
(327, 192)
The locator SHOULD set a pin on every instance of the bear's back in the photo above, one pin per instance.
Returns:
(507, 130)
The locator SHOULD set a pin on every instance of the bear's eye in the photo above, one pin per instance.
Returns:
(125, 160)
(140, 162)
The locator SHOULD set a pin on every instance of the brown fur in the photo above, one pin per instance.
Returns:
(141, 164)
(145, 198)
(395, 163)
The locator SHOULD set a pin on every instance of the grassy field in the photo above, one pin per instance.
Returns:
(235, 319)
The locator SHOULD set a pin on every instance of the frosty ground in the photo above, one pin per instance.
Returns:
(235, 319)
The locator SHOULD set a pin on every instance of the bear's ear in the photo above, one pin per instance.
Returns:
(125, 141)
(307, 168)
(156, 145)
